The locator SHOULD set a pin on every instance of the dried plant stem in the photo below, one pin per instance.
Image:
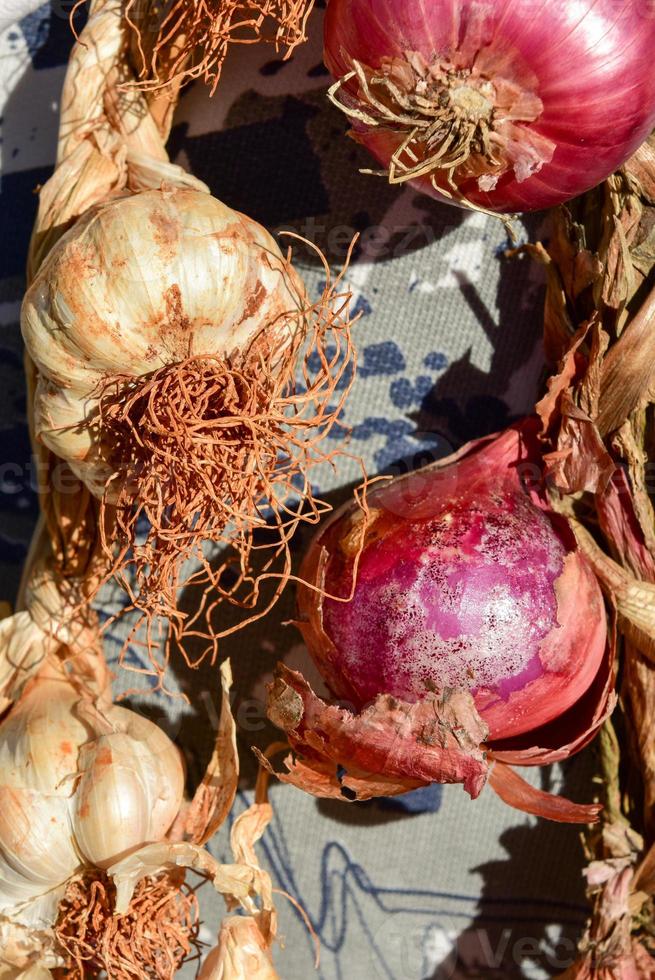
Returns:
(598, 419)
(102, 137)
(639, 702)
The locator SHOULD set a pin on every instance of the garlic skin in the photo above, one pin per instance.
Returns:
(242, 953)
(138, 283)
(49, 621)
(79, 786)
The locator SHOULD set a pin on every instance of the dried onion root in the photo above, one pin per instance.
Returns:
(152, 939)
(185, 40)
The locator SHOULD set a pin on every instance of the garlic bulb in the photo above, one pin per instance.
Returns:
(52, 620)
(185, 378)
(79, 786)
(142, 282)
(95, 834)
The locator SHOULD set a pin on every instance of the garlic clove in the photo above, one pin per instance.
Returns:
(22, 649)
(161, 768)
(36, 847)
(39, 741)
(61, 413)
(42, 320)
(38, 914)
(123, 799)
(242, 953)
(26, 951)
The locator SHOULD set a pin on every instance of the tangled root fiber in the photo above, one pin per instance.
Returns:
(218, 449)
(188, 39)
(151, 940)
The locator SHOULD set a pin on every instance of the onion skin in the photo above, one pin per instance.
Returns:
(463, 581)
(589, 64)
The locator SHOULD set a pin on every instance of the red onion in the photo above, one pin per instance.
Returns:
(473, 631)
(508, 105)
(464, 581)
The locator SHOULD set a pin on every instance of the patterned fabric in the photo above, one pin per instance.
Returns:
(430, 885)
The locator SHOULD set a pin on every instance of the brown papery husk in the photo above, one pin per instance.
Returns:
(184, 40)
(110, 141)
(219, 450)
(152, 939)
(597, 419)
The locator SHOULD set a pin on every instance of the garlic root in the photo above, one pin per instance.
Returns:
(204, 33)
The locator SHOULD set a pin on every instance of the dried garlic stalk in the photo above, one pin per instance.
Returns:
(598, 417)
(180, 377)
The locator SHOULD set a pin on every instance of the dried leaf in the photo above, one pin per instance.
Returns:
(387, 748)
(578, 267)
(24, 948)
(610, 950)
(618, 280)
(618, 520)
(628, 379)
(641, 166)
(521, 795)
(213, 799)
(579, 460)
(638, 697)
(628, 496)
(549, 408)
(236, 882)
(633, 598)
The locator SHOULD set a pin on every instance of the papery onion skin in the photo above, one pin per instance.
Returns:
(589, 63)
(465, 580)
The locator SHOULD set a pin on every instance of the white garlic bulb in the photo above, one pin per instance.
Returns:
(79, 786)
(92, 793)
(138, 283)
